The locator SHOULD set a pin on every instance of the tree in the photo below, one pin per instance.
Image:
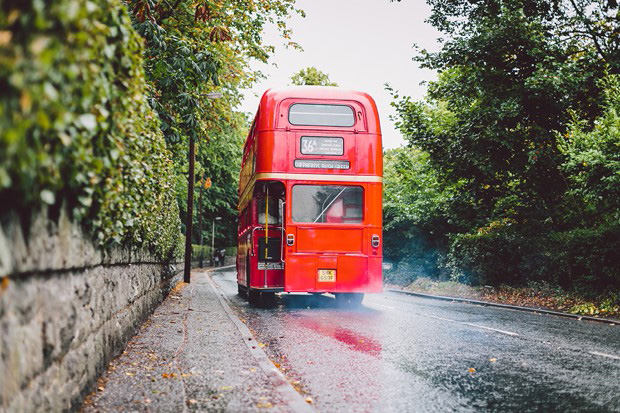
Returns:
(416, 212)
(592, 164)
(506, 85)
(515, 78)
(194, 48)
(311, 76)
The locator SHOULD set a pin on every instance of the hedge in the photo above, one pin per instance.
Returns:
(581, 259)
(76, 130)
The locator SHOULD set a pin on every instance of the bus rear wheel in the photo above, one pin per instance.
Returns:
(349, 300)
(253, 297)
(261, 299)
(242, 291)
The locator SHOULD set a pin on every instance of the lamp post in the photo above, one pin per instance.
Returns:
(213, 240)
(190, 199)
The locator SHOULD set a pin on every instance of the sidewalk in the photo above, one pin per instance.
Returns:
(194, 354)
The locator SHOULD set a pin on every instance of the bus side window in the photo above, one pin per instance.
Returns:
(273, 210)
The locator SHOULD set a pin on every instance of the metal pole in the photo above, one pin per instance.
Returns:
(202, 184)
(190, 211)
(190, 200)
(213, 242)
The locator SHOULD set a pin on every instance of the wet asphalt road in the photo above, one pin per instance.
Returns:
(402, 353)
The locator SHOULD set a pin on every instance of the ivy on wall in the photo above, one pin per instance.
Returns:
(75, 125)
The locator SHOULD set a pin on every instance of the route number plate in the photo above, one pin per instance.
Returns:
(327, 275)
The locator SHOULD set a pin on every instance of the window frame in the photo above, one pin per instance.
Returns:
(353, 115)
(339, 185)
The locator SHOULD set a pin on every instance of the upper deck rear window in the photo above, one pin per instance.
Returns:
(321, 115)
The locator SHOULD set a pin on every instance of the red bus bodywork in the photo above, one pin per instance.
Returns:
(316, 191)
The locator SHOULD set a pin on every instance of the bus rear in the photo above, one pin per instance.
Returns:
(319, 152)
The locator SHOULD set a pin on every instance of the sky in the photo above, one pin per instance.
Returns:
(361, 45)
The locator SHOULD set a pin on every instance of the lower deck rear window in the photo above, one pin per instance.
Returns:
(328, 203)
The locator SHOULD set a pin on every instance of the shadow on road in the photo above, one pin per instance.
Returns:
(318, 301)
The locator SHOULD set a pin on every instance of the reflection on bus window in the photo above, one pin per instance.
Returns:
(273, 211)
(328, 203)
(321, 115)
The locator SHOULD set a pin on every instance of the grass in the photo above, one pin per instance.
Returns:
(537, 295)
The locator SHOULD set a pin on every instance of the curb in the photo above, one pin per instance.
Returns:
(290, 396)
(609, 321)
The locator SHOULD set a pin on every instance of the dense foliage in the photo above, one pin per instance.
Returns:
(193, 49)
(311, 76)
(99, 101)
(521, 130)
(76, 129)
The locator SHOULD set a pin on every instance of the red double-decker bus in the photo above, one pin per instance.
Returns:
(310, 196)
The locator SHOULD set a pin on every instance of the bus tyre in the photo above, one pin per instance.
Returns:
(261, 299)
(349, 300)
(268, 299)
(242, 291)
(246, 293)
(254, 297)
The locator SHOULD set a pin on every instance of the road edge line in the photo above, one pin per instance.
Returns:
(290, 396)
(577, 317)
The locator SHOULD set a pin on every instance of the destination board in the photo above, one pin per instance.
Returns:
(321, 164)
(315, 145)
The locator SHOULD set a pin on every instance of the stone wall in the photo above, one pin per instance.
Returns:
(66, 309)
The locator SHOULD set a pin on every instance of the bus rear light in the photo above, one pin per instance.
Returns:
(290, 240)
(375, 241)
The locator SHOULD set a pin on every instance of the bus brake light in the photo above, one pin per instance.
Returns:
(375, 241)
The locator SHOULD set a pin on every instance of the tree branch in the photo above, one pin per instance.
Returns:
(591, 32)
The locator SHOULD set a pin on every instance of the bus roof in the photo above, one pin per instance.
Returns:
(272, 97)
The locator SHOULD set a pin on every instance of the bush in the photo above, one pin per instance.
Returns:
(488, 257)
(587, 259)
(581, 259)
(75, 126)
(199, 251)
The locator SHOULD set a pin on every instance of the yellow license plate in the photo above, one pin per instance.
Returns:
(327, 275)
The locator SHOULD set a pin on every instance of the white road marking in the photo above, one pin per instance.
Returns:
(611, 356)
(510, 333)
(386, 306)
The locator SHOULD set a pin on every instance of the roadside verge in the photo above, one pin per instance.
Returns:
(577, 317)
